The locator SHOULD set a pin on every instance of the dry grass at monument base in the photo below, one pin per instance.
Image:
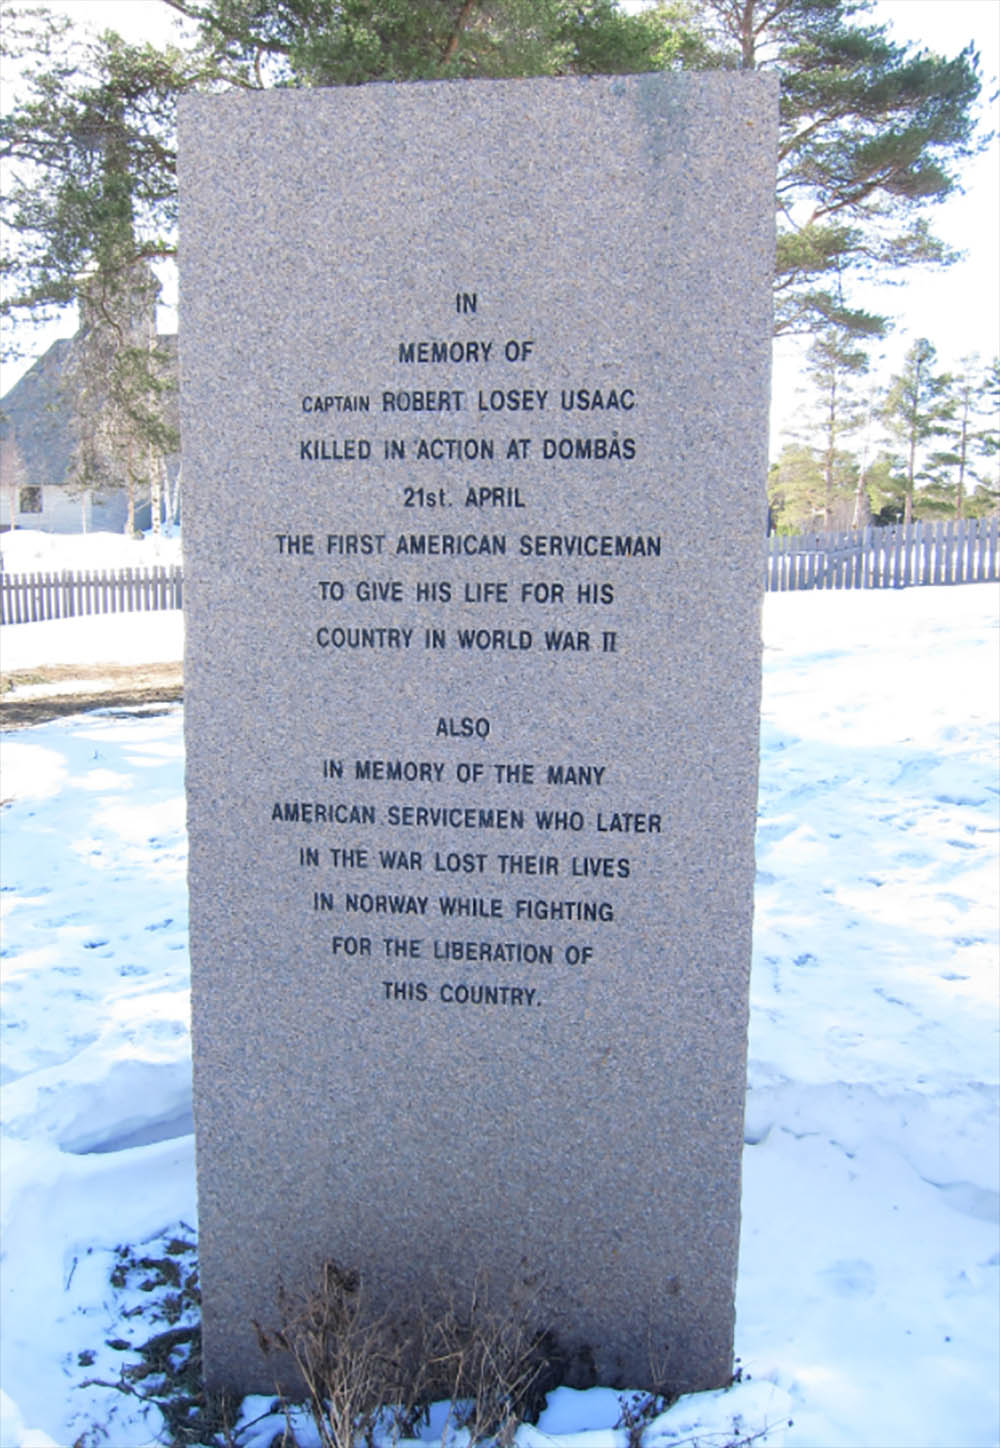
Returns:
(368, 1379)
(494, 1364)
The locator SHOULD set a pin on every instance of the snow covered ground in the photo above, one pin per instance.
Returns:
(29, 550)
(867, 1303)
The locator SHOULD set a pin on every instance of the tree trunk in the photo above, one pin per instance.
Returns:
(130, 482)
(911, 472)
(174, 498)
(156, 470)
(862, 505)
(962, 448)
(456, 34)
(748, 47)
(830, 454)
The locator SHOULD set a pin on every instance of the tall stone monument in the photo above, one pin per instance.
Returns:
(475, 382)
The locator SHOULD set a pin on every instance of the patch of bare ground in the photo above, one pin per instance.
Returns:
(33, 696)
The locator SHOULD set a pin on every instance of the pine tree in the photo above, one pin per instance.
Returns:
(799, 486)
(885, 486)
(835, 362)
(870, 136)
(91, 153)
(988, 442)
(972, 439)
(92, 204)
(120, 388)
(350, 42)
(917, 409)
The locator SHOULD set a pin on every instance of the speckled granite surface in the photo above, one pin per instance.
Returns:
(475, 384)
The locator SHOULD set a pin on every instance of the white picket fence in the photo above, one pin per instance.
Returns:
(953, 551)
(35, 597)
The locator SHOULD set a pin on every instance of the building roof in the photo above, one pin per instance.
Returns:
(37, 413)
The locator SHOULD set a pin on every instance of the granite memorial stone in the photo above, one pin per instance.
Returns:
(475, 383)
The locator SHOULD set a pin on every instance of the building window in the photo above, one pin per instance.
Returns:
(29, 500)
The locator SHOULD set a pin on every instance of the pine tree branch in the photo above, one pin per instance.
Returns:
(456, 34)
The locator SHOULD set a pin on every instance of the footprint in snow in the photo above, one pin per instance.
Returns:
(850, 1277)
